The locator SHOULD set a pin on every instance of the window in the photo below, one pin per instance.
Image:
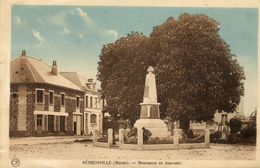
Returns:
(91, 102)
(77, 102)
(39, 96)
(93, 118)
(86, 101)
(223, 119)
(62, 99)
(39, 120)
(51, 97)
(96, 102)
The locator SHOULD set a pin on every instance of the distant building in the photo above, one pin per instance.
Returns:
(44, 102)
(222, 118)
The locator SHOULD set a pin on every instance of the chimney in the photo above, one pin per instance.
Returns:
(23, 66)
(91, 84)
(23, 53)
(54, 68)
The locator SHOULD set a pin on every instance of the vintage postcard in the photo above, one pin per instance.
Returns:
(128, 84)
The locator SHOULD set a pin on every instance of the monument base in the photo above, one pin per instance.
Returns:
(156, 126)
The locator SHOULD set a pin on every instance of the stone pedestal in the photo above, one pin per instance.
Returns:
(150, 113)
(156, 126)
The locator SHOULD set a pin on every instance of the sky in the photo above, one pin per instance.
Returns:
(74, 35)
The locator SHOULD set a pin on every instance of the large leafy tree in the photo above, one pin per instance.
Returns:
(121, 70)
(196, 73)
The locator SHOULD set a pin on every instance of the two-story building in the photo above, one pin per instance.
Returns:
(93, 117)
(43, 102)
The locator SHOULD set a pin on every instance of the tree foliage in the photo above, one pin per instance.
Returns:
(195, 70)
(196, 73)
(121, 70)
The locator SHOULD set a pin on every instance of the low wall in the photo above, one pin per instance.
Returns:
(163, 146)
(107, 144)
(193, 146)
(141, 146)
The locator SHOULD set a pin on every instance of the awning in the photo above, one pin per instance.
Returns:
(51, 113)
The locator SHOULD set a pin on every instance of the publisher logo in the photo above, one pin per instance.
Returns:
(15, 162)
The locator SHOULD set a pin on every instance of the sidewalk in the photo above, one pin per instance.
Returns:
(45, 140)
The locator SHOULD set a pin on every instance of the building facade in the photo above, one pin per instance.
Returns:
(93, 118)
(43, 102)
(222, 117)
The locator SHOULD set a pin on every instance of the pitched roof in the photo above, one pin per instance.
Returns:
(77, 79)
(31, 70)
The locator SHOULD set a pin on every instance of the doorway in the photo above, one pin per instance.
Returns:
(62, 124)
(50, 123)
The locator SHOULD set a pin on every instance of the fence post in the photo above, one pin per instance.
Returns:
(207, 138)
(95, 137)
(176, 136)
(140, 140)
(110, 137)
(205, 124)
(121, 136)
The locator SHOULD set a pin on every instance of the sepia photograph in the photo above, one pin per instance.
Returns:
(131, 86)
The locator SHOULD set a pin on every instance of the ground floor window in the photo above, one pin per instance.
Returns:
(39, 120)
(50, 123)
(62, 123)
